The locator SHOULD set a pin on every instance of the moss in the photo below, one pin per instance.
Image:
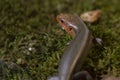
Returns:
(29, 32)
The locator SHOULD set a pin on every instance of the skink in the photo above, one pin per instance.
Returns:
(76, 52)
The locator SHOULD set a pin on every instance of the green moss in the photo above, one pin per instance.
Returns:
(29, 33)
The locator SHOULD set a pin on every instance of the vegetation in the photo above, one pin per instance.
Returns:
(31, 43)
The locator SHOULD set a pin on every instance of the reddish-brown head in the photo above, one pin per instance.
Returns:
(64, 21)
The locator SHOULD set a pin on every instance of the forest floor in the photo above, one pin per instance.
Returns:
(32, 43)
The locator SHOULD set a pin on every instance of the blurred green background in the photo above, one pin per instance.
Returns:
(31, 42)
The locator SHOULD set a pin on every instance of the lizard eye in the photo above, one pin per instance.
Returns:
(62, 21)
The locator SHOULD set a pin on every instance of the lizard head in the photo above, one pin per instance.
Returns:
(68, 22)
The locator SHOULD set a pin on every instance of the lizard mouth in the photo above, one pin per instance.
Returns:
(68, 29)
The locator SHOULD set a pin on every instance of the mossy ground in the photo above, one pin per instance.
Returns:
(31, 43)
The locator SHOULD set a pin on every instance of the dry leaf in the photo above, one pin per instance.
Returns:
(91, 16)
